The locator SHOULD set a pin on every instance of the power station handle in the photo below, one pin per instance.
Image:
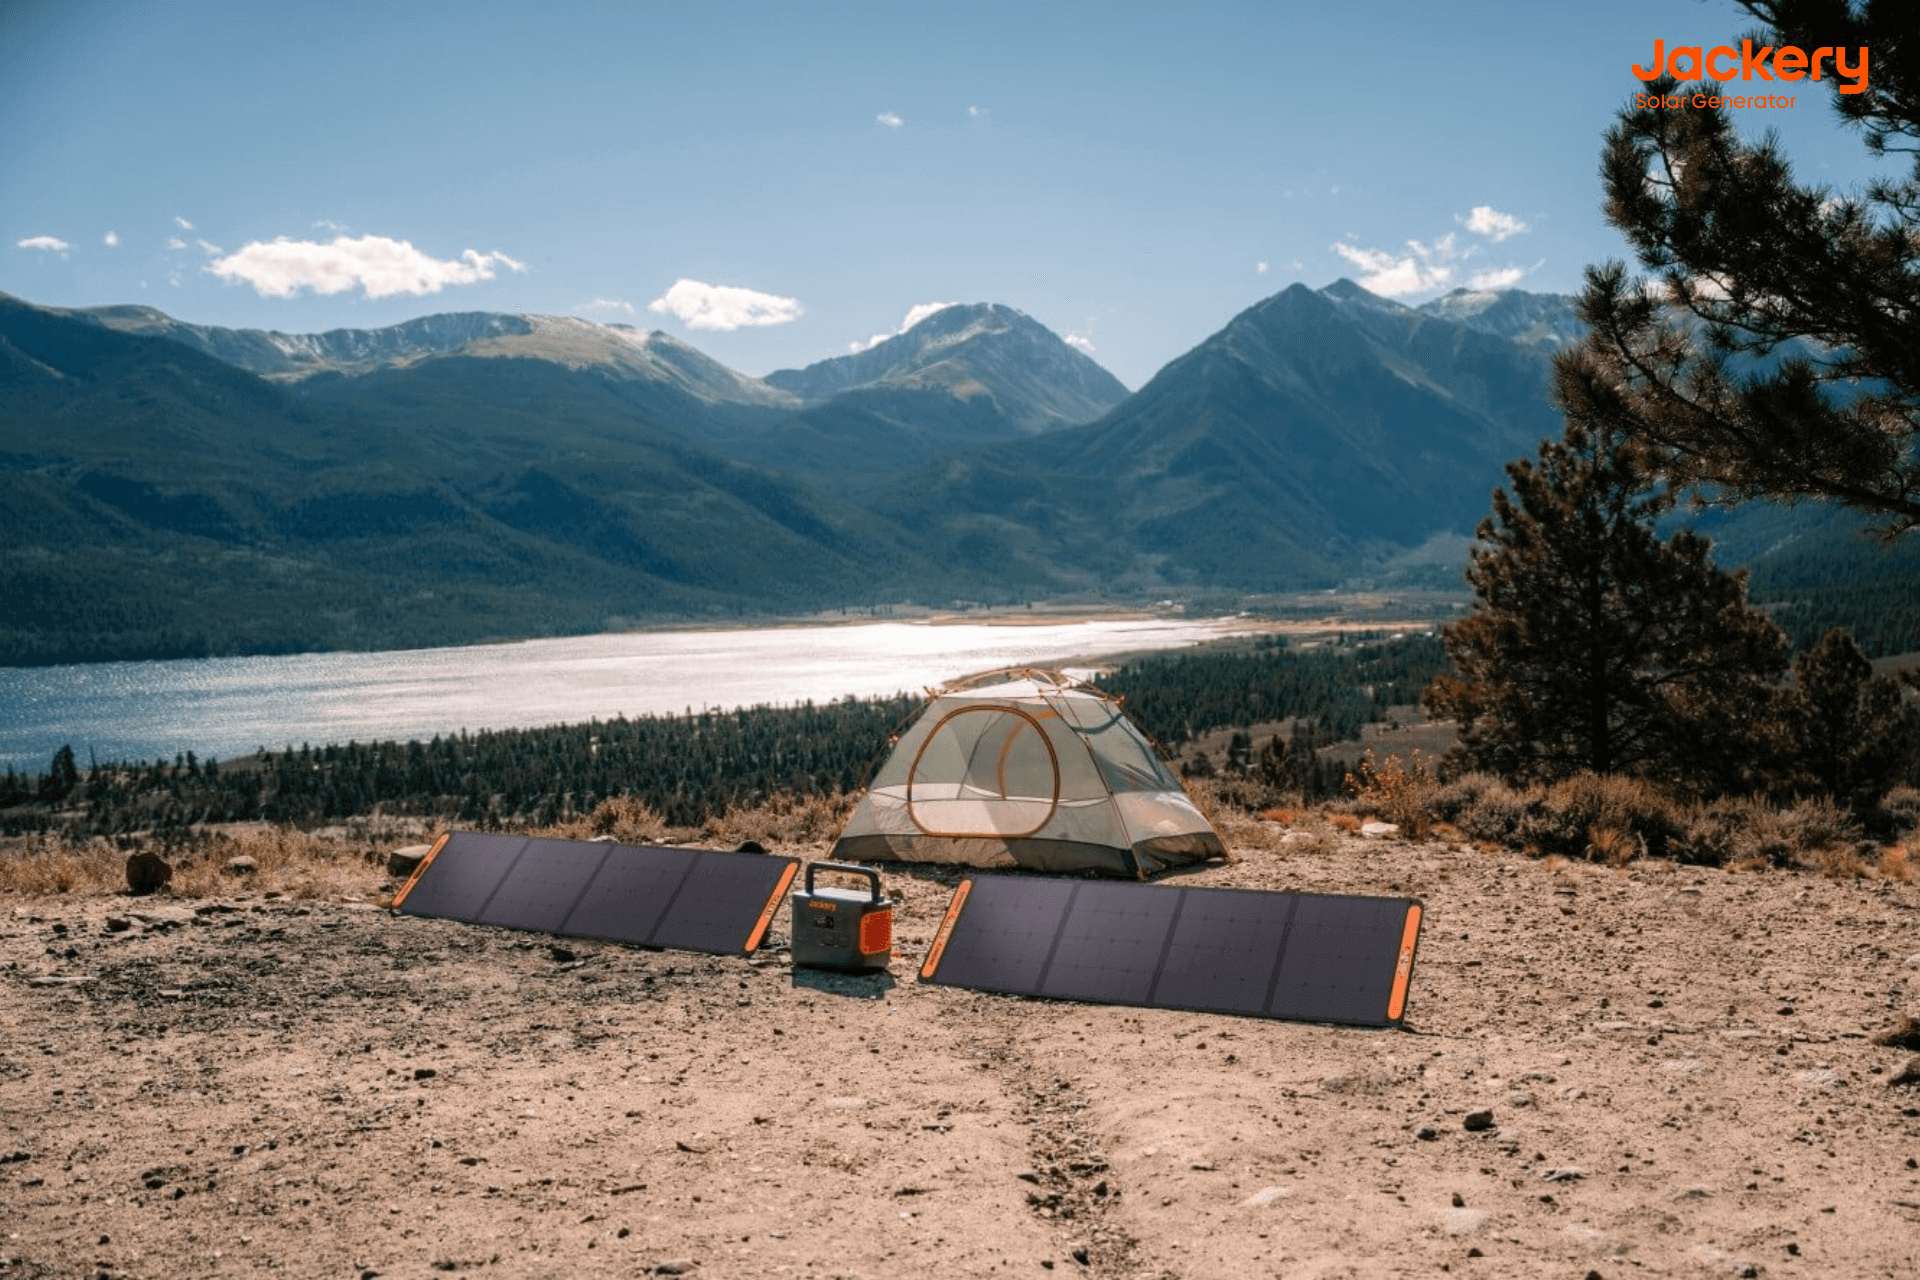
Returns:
(872, 876)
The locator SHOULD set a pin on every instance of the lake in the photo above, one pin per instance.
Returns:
(227, 707)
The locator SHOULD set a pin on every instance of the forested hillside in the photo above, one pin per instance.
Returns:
(687, 768)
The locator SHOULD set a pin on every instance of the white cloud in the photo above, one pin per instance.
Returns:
(379, 265)
(182, 223)
(1497, 278)
(889, 119)
(213, 250)
(718, 306)
(46, 244)
(1422, 268)
(915, 314)
(328, 224)
(1075, 340)
(979, 113)
(1259, 268)
(605, 304)
(1428, 268)
(175, 242)
(1485, 220)
(110, 240)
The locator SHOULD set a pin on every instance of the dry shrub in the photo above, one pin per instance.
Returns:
(1400, 791)
(1484, 807)
(783, 820)
(1815, 834)
(1896, 863)
(628, 819)
(1285, 817)
(1343, 822)
(1901, 808)
(1232, 806)
(1615, 846)
(1316, 841)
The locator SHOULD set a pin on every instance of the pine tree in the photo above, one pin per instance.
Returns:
(1776, 351)
(1597, 644)
(1856, 736)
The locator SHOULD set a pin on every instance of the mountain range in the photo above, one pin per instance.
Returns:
(170, 489)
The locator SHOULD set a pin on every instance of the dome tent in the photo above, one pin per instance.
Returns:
(1027, 768)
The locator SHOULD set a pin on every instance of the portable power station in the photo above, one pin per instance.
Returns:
(848, 929)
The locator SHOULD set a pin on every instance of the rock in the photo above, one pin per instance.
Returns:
(1266, 1196)
(1596, 1241)
(1908, 1075)
(241, 866)
(1821, 1078)
(1379, 830)
(118, 924)
(147, 873)
(1082, 1255)
(749, 846)
(1904, 1034)
(1459, 1201)
(1562, 1175)
(1463, 1221)
(405, 861)
(1478, 1121)
(674, 1267)
(162, 917)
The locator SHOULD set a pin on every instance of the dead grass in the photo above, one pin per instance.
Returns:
(287, 861)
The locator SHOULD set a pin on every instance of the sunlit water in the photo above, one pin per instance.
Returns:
(226, 707)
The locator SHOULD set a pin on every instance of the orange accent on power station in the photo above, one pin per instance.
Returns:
(773, 904)
(1403, 970)
(418, 871)
(876, 932)
(939, 947)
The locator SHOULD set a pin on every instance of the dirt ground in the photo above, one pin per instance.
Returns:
(1679, 1064)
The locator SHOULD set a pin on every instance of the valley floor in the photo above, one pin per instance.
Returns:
(1679, 1063)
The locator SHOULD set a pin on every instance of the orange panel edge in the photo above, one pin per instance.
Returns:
(420, 870)
(939, 947)
(1403, 967)
(773, 904)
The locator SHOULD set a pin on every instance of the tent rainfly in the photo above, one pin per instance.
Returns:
(1027, 768)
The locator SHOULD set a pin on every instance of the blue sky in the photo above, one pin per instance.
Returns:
(780, 182)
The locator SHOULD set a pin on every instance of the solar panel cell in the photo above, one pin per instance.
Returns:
(1007, 951)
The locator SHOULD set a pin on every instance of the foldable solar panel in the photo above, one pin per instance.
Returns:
(1304, 956)
(688, 899)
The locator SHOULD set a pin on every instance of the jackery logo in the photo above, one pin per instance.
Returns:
(1789, 62)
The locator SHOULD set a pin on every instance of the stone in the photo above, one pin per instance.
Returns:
(405, 861)
(1478, 1121)
(1463, 1221)
(162, 917)
(1908, 1075)
(147, 873)
(241, 866)
(1904, 1034)
(118, 924)
(1562, 1175)
(1266, 1196)
(674, 1267)
(1379, 830)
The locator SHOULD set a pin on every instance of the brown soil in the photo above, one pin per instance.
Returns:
(1679, 1064)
